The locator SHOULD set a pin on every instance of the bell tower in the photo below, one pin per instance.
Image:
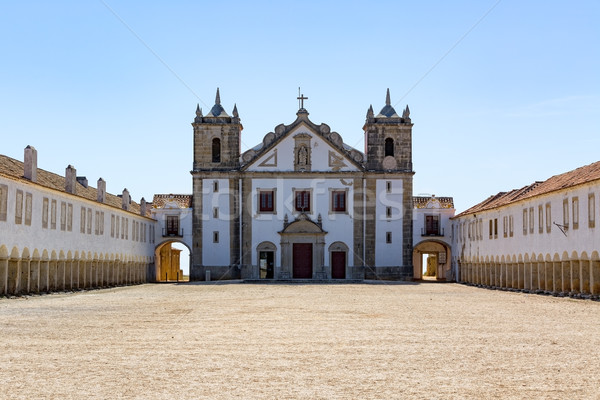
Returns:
(217, 138)
(388, 139)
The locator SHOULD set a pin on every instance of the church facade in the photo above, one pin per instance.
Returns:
(302, 204)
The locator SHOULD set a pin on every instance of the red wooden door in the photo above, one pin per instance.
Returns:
(302, 253)
(338, 265)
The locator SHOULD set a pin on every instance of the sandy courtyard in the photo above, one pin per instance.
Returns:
(307, 341)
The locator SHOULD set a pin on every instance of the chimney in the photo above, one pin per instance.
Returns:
(125, 200)
(30, 164)
(83, 181)
(101, 188)
(143, 207)
(70, 179)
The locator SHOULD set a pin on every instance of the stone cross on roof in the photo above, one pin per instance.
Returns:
(301, 99)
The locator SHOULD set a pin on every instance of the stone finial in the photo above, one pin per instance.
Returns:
(320, 220)
(198, 114)
(70, 179)
(406, 113)
(388, 102)
(125, 200)
(101, 189)
(143, 207)
(218, 98)
(30, 164)
(370, 113)
(235, 111)
(285, 220)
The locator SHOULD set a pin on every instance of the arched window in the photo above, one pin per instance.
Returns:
(389, 147)
(216, 150)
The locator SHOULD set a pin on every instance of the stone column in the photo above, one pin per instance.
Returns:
(594, 276)
(24, 275)
(13, 275)
(566, 276)
(584, 276)
(45, 275)
(549, 276)
(534, 276)
(34, 275)
(575, 277)
(557, 276)
(3, 275)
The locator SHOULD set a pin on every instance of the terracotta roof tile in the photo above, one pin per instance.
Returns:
(15, 169)
(569, 179)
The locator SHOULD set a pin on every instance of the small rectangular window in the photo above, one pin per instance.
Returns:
(70, 217)
(53, 214)
(531, 220)
(540, 219)
(63, 216)
(215, 186)
(388, 186)
(112, 225)
(89, 221)
(575, 212)
(28, 208)
(388, 212)
(117, 225)
(215, 212)
(45, 205)
(123, 227)
(524, 221)
(338, 201)
(505, 226)
(495, 228)
(97, 225)
(19, 207)
(126, 228)
(566, 213)
(510, 226)
(591, 210)
(3, 202)
(491, 228)
(548, 217)
(215, 237)
(102, 222)
(82, 220)
(388, 237)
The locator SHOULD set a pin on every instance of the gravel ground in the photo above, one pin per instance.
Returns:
(367, 341)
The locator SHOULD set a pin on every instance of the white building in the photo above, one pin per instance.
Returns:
(542, 237)
(432, 235)
(57, 232)
(302, 204)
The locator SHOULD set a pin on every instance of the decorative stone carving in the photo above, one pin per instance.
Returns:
(302, 152)
(356, 156)
(336, 139)
(279, 129)
(249, 155)
(268, 139)
(389, 163)
(324, 129)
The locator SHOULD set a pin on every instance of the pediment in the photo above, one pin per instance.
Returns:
(303, 225)
(281, 150)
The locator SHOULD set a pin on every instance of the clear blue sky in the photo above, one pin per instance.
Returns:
(502, 93)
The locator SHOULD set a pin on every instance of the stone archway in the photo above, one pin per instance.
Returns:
(167, 261)
(443, 256)
(302, 249)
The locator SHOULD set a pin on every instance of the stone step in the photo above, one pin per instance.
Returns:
(304, 281)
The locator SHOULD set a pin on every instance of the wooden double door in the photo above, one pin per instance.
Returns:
(302, 260)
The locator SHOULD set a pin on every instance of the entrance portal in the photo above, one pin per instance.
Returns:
(338, 265)
(266, 261)
(302, 260)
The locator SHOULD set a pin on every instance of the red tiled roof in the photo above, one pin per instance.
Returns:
(15, 169)
(569, 179)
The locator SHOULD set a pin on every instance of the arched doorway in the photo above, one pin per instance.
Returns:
(172, 261)
(302, 249)
(432, 258)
